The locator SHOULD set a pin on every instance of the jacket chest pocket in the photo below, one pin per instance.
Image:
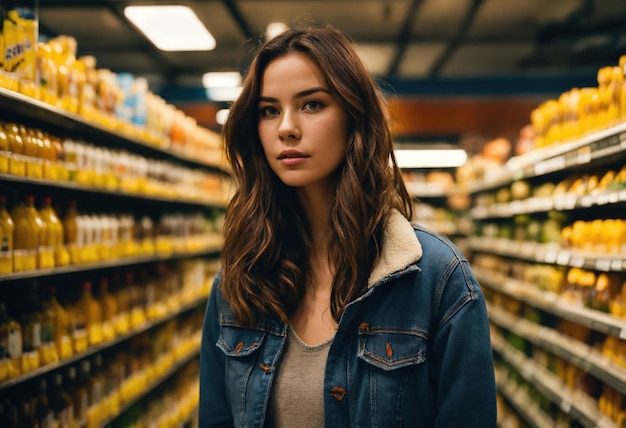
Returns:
(395, 369)
(241, 347)
(391, 349)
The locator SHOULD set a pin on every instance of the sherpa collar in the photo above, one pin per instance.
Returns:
(400, 248)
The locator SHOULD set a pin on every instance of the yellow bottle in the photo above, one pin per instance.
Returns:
(70, 231)
(109, 310)
(34, 166)
(48, 156)
(122, 296)
(54, 238)
(93, 314)
(25, 237)
(5, 154)
(6, 238)
(17, 163)
(10, 344)
(38, 230)
(47, 238)
(63, 333)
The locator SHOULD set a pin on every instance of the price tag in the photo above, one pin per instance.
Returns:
(562, 258)
(566, 406)
(586, 201)
(622, 195)
(603, 265)
(622, 333)
(577, 262)
(583, 155)
(617, 265)
(613, 197)
(603, 199)
(551, 256)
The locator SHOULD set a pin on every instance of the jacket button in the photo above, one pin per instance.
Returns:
(338, 393)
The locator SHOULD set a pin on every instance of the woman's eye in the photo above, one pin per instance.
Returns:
(268, 111)
(312, 105)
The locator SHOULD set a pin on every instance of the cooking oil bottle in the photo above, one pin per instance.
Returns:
(70, 231)
(54, 237)
(109, 310)
(62, 331)
(6, 238)
(10, 345)
(92, 311)
(25, 237)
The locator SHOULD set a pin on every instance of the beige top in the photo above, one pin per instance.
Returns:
(297, 398)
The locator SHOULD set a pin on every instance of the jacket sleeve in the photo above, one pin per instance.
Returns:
(214, 408)
(462, 359)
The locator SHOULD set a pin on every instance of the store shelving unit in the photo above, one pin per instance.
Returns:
(595, 151)
(20, 109)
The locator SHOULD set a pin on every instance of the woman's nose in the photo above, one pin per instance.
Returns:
(288, 128)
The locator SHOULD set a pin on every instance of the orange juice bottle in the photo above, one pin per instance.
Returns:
(5, 154)
(54, 235)
(122, 296)
(6, 238)
(60, 167)
(48, 236)
(25, 237)
(34, 166)
(93, 314)
(109, 310)
(10, 345)
(70, 231)
(62, 331)
(48, 155)
(17, 164)
(38, 230)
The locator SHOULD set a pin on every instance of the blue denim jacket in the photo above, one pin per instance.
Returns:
(413, 351)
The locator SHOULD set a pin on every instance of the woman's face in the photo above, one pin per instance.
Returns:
(302, 127)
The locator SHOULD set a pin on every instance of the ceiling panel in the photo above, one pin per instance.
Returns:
(419, 58)
(438, 20)
(365, 20)
(473, 60)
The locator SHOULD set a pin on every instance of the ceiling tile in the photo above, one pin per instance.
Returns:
(418, 59)
(483, 60)
(361, 19)
(376, 57)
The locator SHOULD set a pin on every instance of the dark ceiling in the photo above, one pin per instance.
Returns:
(402, 38)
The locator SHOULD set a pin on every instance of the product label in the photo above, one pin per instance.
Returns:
(14, 343)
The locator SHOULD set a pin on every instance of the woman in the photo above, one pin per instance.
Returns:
(331, 309)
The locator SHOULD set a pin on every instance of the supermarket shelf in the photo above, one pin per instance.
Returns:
(576, 352)
(523, 405)
(549, 302)
(578, 405)
(78, 188)
(98, 348)
(180, 363)
(19, 105)
(109, 264)
(565, 202)
(591, 148)
(549, 253)
(423, 190)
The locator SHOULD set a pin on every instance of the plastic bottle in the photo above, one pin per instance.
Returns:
(79, 393)
(6, 238)
(17, 164)
(10, 345)
(61, 403)
(25, 238)
(109, 310)
(54, 237)
(5, 154)
(62, 330)
(70, 231)
(92, 311)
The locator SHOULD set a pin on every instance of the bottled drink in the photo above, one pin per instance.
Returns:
(10, 345)
(6, 238)
(61, 403)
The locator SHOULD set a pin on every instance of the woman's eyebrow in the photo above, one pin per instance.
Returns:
(300, 94)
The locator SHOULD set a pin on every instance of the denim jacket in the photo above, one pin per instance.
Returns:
(412, 351)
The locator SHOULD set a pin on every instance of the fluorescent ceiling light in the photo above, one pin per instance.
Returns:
(225, 79)
(223, 94)
(221, 116)
(430, 158)
(274, 29)
(171, 28)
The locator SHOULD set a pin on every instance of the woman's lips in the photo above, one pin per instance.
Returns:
(291, 157)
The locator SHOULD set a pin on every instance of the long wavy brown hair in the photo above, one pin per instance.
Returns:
(265, 255)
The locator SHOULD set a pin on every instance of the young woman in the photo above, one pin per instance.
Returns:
(331, 308)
